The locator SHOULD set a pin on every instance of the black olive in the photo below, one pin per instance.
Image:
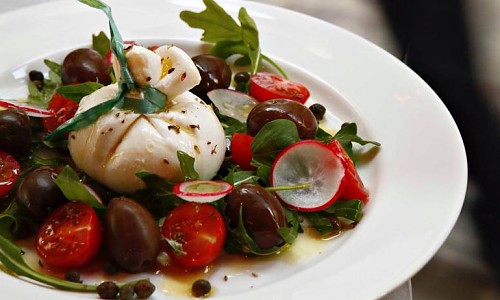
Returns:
(215, 74)
(38, 195)
(132, 235)
(84, 65)
(318, 111)
(267, 111)
(73, 276)
(201, 288)
(127, 292)
(15, 131)
(262, 214)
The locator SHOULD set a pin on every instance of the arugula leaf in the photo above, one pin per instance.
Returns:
(11, 257)
(289, 234)
(73, 189)
(76, 92)
(100, 43)
(349, 209)
(187, 166)
(43, 96)
(158, 197)
(323, 136)
(53, 66)
(347, 135)
(272, 138)
(228, 36)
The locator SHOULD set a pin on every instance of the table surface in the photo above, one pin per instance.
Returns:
(403, 292)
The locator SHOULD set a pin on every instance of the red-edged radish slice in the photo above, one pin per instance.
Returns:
(231, 103)
(31, 110)
(93, 193)
(312, 162)
(202, 191)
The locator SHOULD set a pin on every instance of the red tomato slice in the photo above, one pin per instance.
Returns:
(241, 152)
(353, 186)
(70, 236)
(9, 173)
(63, 109)
(194, 234)
(267, 86)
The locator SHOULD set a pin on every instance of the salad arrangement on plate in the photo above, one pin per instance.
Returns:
(128, 151)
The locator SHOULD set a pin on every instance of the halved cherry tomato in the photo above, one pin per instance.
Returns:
(267, 86)
(63, 109)
(241, 152)
(9, 173)
(353, 186)
(70, 236)
(194, 234)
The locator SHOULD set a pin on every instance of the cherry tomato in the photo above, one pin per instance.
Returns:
(194, 234)
(70, 236)
(267, 86)
(9, 173)
(241, 152)
(353, 186)
(63, 109)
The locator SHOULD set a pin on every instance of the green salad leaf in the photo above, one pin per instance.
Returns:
(100, 43)
(187, 166)
(76, 92)
(228, 36)
(73, 189)
(347, 135)
(42, 97)
(272, 138)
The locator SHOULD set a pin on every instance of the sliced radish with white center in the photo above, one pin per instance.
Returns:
(308, 162)
(31, 110)
(93, 193)
(202, 191)
(231, 103)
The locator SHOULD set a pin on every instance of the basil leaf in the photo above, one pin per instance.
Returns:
(187, 166)
(250, 36)
(272, 138)
(73, 189)
(76, 92)
(100, 43)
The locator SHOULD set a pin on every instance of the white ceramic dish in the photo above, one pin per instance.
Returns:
(417, 181)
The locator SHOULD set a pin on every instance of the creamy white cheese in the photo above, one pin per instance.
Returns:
(121, 143)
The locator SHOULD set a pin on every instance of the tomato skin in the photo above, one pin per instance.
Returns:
(63, 109)
(353, 186)
(70, 236)
(267, 86)
(241, 152)
(201, 231)
(9, 173)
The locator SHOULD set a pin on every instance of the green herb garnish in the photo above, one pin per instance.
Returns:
(228, 36)
(76, 92)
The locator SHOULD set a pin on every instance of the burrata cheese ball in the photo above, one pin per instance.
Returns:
(122, 143)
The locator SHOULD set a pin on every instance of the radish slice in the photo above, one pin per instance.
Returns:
(93, 193)
(312, 162)
(31, 110)
(231, 103)
(202, 191)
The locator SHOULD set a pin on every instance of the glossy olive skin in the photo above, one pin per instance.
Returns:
(38, 195)
(262, 214)
(270, 110)
(215, 74)
(131, 234)
(84, 65)
(15, 131)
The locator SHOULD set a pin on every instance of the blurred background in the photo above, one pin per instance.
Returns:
(454, 46)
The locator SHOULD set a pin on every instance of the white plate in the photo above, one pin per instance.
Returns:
(417, 181)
